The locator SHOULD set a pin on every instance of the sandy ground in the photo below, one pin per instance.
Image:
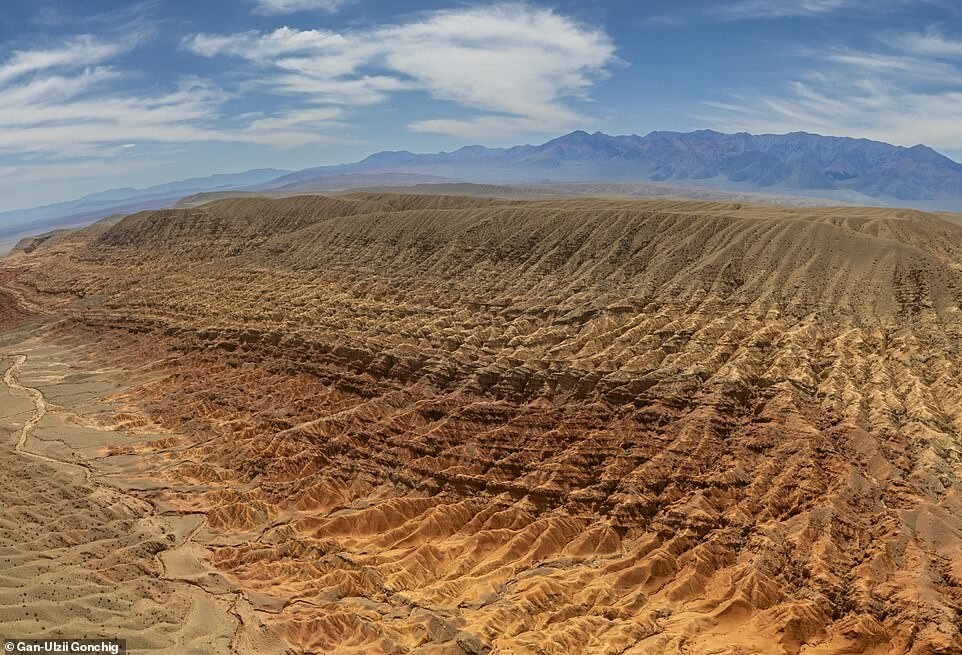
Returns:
(79, 557)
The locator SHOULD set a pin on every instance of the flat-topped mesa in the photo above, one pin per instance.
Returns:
(868, 264)
(262, 218)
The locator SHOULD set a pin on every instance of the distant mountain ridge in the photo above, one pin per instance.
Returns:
(21, 222)
(836, 168)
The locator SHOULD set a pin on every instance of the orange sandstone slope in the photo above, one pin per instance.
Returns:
(466, 425)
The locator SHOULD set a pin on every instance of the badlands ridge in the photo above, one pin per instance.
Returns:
(448, 425)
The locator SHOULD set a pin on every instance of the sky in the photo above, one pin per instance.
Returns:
(98, 94)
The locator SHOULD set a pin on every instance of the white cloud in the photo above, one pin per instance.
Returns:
(768, 9)
(77, 53)
(258, 46)
(479, 128)
(318, 125)
(61, 103)
(909, 95)
(664, 21)
(273, 7)
(905, 67)
(516, 65)
(71, 112)
(781, 8)
(931, 43)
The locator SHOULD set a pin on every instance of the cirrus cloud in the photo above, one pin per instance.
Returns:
(781, 8)
(273, 7)
(908, 92)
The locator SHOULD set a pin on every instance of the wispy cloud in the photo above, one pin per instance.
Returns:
(901, 66)
(931, 43)
(273, 7)
(129, 17)
(63, 102)
(770, 9)
(76, 53)
(516, 66)
(60, 101)
(906, 93)
(781, 8)
(664, 20)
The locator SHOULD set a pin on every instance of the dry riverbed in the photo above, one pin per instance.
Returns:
(84, 552)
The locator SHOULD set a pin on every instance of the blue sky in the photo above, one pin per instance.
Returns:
(97, 94)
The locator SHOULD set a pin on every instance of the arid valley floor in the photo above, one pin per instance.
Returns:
(385, 423)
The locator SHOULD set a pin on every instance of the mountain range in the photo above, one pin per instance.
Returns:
(833, 169)
(841, 169)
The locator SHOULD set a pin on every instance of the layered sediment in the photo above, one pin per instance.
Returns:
(469, 425)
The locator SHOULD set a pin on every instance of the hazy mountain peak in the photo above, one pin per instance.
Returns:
(798, 163)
